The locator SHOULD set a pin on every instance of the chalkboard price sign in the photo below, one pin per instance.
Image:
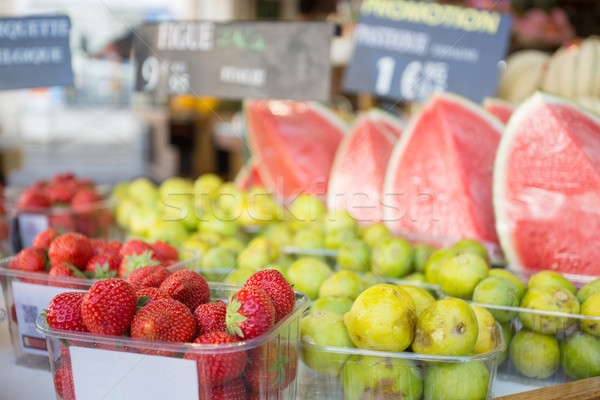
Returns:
(235, 59)
(406, 49)
(34, 52)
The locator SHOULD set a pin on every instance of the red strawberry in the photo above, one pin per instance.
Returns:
(63, 177)
(60, 192)
(134, 246)
(279, 290)
(84, 198)
(188, 287)
(232, 390)
(134, 261)
(72, 248)
(101, 246)
(33, 198)
(43, 239)
(148, 276)
(165, 252)
(271, 367)
(152, 293)
(64, 271)
(102, 266)
(30, 259)
(210, 317)
(63, 382)
(64, 312)
(217, 367)
(63, 221)
(108, 307)
(167, 320)
(250, 313)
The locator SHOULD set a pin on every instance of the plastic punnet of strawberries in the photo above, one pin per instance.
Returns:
(71, 204)
(176, 307)
(75, 255)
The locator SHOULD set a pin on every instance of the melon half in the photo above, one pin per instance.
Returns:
(356, 180)
(439, 178)
(293, 144)
(547, 187)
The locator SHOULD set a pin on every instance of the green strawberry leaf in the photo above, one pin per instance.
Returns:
(76, 271)
(142, 301)
(233, 318)
(135, 261)
(103, 271)
(65, 342)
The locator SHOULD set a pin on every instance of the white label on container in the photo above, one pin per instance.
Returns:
(30, 301)
(29, 226)
(113, 375)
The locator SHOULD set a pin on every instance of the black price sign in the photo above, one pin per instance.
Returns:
(34, 52)
(235, 59)
(408, 49)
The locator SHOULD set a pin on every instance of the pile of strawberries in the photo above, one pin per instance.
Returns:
(75, 255)
(153, 304)
(76, 204)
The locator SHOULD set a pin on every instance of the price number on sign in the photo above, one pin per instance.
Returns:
(417, 81)
(176, 74)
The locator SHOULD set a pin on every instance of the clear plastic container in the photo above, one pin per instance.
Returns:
(117, 367)
(352, 373)
(27, 294)
(512, 379)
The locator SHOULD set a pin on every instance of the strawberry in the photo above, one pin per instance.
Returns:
(62, 221)
(188, 287)
(164, 251)
(63, 177)
(132, 262)
(167, 320)
(102, 266)
(33, 198)
(210, 317)
(215, 368)
(134, 246)
(250, 313)
(152, 293)
(148, 276)
(271, 367)
(64, 312)
(72, 248)
(60, 192)
(108, 306)
(83, 198)
(63, 382)
(30, 259)
(232, 390)
(43, 239)
(65, 271)
(101, 246)
(279, 290)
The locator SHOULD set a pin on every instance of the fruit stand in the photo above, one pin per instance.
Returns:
(379, 199)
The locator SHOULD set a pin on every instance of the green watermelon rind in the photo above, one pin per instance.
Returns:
(500, 179)
(342, 151)
(333, 119)
(409, 131)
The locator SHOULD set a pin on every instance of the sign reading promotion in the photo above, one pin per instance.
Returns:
(408, 49)
(235, 59)
(34, 52)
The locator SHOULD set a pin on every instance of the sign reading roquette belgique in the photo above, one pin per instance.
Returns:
(407, 49)
(34, 52)
(235, 59)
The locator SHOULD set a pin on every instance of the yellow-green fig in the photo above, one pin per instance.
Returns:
(420, 296)
(534, 354)
(488, 336)
(548, 298)
(591, 308)
(382, 318)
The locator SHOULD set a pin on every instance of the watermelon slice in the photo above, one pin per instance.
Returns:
(547, 187)
(499, 108)
(356, 180)
(439, 178)
(294, 144)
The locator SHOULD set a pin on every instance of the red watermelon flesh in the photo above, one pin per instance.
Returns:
(356, 180)
(547, 187)
(248, 176)
(294, 144)
(439, 178)
(499, 108)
